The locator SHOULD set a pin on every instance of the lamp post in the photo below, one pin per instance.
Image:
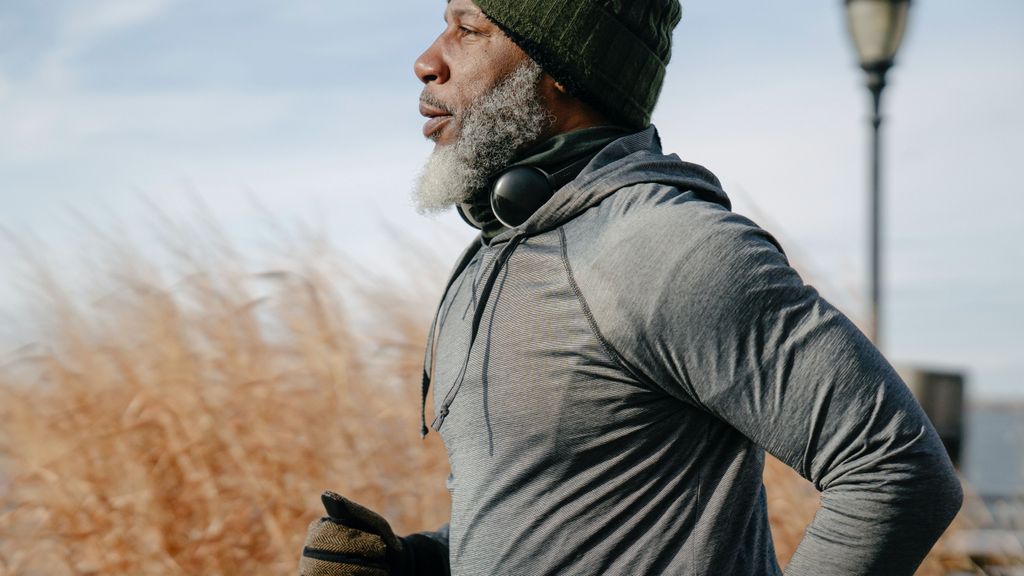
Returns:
(877, 28)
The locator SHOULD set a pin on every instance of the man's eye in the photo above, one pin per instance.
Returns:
(467, 31)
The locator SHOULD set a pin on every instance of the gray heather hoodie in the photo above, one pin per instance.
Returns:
(637, 349)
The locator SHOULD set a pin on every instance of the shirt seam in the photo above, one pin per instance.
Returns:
(609, 350)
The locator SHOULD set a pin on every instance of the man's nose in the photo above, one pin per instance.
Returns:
(431, 66)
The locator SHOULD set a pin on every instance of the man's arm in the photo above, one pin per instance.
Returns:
(429, 552)
(727, 324)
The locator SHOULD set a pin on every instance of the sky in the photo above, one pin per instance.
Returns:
(306, 110)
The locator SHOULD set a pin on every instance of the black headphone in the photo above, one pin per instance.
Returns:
(519, 191)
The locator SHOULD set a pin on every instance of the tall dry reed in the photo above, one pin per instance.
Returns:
(183, 417)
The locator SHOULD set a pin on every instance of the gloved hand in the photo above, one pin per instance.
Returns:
(353, 541)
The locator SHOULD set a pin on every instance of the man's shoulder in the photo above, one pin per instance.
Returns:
(656, 221)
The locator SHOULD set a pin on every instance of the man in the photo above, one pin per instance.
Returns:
(617, 351)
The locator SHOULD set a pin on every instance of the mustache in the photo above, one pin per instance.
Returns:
(431, 100)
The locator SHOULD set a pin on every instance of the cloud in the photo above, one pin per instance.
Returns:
(81, 25)
(96, 18)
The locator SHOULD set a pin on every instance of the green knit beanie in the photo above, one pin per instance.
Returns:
(610, 53)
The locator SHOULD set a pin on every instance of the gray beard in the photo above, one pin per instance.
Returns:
(495, 127)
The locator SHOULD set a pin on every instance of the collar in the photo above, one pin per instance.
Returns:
(554, 154)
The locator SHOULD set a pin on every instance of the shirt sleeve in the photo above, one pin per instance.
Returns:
(429, 552)
(721, 320)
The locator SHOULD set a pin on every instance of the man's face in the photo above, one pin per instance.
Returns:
(482, 96)
(469, 58)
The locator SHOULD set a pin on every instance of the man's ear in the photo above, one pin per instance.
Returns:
(553, 91)
(569, 111)
(550, 85)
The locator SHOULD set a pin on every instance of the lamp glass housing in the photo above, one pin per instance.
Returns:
(877, 28)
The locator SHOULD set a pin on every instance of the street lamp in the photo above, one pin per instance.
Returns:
(877, 28)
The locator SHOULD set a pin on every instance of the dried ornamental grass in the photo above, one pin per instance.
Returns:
(188, 427)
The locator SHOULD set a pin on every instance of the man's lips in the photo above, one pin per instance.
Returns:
(438, 117)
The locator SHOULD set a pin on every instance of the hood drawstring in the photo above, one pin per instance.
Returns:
(428, 358)
(478, 313)
(425, 385)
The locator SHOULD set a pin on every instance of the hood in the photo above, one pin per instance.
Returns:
(632, 159)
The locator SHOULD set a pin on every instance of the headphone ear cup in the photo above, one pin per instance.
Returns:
(519, 192)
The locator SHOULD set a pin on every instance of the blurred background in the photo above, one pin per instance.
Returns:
(208, 204)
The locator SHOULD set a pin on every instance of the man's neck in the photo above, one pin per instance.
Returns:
(550, 155)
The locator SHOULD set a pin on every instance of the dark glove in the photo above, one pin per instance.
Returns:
(355, 541)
